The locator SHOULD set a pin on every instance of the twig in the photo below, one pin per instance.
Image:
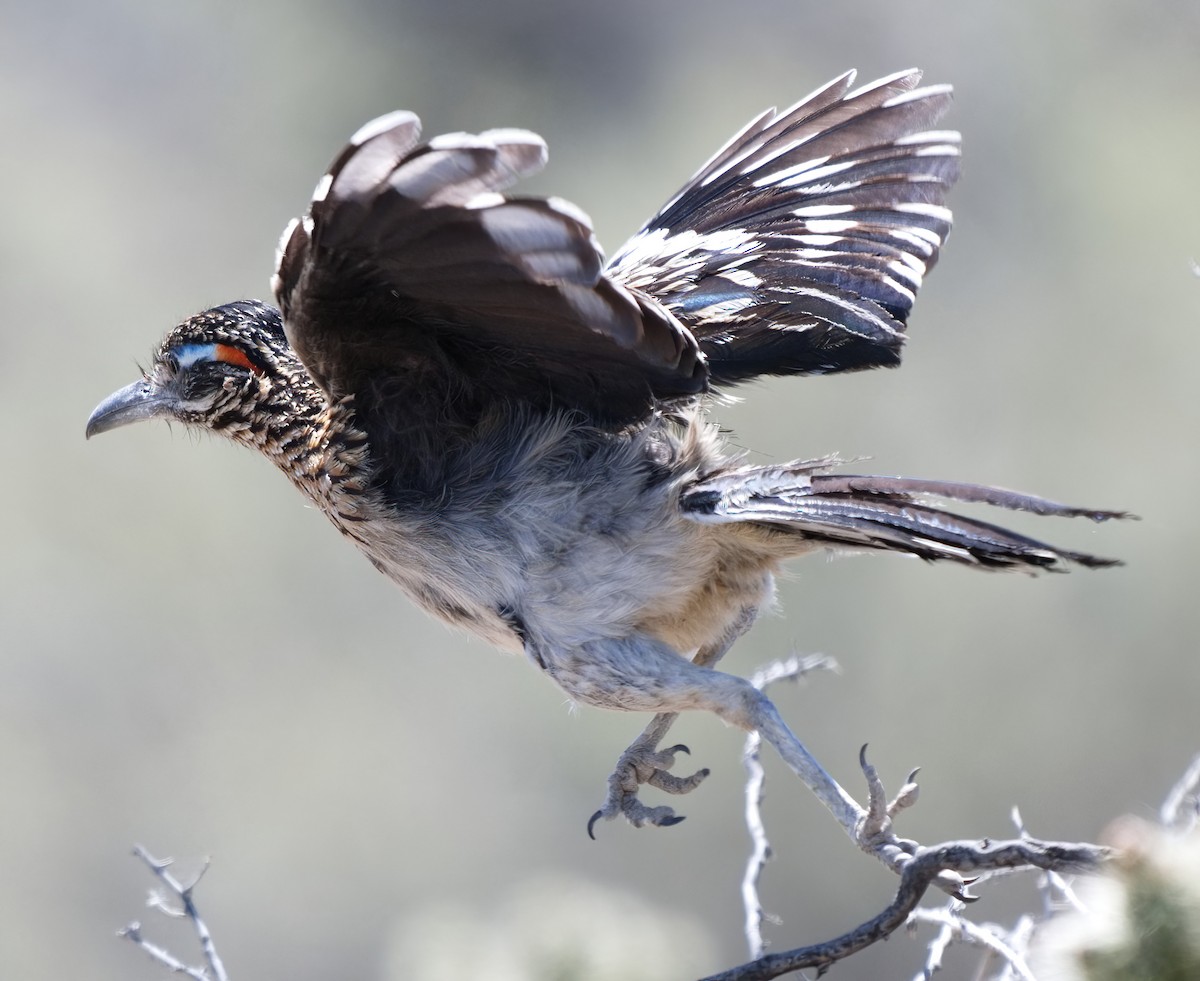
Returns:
(760, 846)
(789, 669)
(1051, 882)
(937, 947)
(214, 970)
(174, 965)
(1181, 810)
(794, 668)
(957, 927)
(923, 868)
(1007, 945)
(1019, 938)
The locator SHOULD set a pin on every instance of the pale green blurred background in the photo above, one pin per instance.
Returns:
(192, 659)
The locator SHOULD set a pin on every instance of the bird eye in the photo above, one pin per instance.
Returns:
(184, 357)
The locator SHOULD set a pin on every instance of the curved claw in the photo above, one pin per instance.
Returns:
(907, 796)
(875, 820)
(591, 825)
(962, 895)
(636, 813)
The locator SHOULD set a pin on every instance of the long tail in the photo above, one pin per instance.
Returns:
(887, 513)
(799, 247)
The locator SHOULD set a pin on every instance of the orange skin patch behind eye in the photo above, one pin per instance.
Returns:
(232, 355)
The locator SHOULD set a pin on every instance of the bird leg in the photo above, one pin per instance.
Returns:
(643, 762)
(871, 827)
(642, 674)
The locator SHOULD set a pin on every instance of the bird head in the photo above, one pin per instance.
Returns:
(228, 369)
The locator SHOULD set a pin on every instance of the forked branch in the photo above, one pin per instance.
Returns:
(924, 867)
(180, 893)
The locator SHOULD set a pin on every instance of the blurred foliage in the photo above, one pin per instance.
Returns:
(1140, 921)
(191, 658)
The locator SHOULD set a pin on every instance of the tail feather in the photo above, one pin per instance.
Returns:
(887, 514)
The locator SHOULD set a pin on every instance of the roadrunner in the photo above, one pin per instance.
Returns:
(513, 430)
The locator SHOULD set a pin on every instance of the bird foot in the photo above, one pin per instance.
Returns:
(876, 821)
(643, 763)
(874, 833)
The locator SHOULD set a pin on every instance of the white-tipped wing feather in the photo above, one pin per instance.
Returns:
(800, 245)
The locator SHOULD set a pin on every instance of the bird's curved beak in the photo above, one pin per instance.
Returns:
(141, 400)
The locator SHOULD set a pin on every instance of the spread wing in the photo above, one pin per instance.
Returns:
(799, 247)
(411, 263)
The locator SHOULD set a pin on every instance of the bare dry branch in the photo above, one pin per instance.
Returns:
(789, 669)
(956, 927)
(214, 969)
(921, 871)
(133, 932)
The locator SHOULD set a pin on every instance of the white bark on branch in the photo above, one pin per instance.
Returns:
(213, 970)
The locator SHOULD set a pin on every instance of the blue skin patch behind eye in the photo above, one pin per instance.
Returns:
(189, 354)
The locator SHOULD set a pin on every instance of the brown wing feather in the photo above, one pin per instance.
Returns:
(411, 259)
